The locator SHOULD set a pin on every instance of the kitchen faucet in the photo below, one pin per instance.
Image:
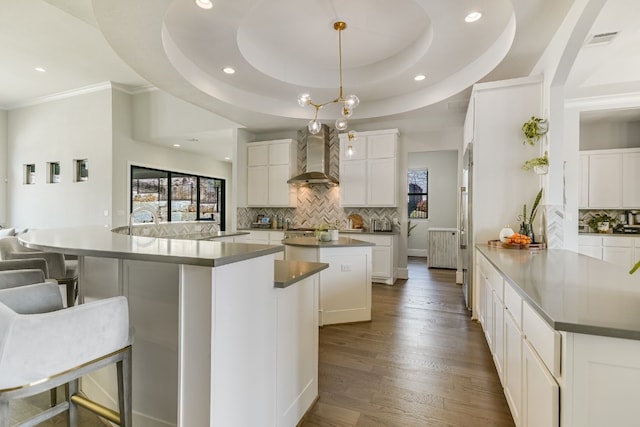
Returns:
(154, 217)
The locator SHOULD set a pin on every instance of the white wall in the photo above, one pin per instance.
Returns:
(128, 151)
(4, 165)
(609, 134)
(60, 130)
(443, 196)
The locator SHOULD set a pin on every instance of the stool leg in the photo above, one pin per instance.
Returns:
(123, 369)
(71, 388)
(4, 413)
(54, 396)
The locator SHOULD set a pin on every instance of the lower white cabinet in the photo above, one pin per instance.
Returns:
(263, 237)
(620, 250)
(513, 366)
(384, 256)
(498, 336)
(541, 398)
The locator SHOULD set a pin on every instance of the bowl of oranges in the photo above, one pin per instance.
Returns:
(517, 241)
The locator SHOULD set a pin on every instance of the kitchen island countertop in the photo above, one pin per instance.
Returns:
(313, 242)
(573, 292)
(289, 272)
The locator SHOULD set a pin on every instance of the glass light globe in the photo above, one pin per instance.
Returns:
(303, 99)
(351, 101)
(341, 124)
(346, 112)
(350, 151)
(314, 126)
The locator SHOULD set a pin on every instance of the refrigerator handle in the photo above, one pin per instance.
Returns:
(463, 231)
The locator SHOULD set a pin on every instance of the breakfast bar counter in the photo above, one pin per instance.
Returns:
(224, 334)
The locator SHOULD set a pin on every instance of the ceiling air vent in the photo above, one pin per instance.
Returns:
(600, 39)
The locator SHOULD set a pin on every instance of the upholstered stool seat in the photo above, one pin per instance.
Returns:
(43, 346)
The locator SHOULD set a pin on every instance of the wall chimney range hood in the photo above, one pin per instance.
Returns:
(317, 170)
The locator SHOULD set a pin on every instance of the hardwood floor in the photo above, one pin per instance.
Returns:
(421, 361)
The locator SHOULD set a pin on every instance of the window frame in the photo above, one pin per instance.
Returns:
(169, 197)
(424, 193)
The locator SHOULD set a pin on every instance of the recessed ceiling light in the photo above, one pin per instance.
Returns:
(228, 70)
(176, 145)
(473, 17)
(204, 4)
(40, 69)
(227, 158)
(419, 77)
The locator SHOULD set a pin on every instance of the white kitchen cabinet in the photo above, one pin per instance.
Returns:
(368, 178)
(583, 201)
(541, 393)
(620, 250)
(590, 246)
(498, 335)
(513, 366)
(605, 173)
(384, 256)
(619, 256)
(610, 179)
(263, 237)
(631, 179)
(269, 165)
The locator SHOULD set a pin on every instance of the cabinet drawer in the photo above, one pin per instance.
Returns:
(513, 303)
(589, 240)
(544, 340)
(276, 236)
(378, 240)
(616, 241)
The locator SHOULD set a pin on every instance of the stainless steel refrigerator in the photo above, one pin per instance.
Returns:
(466, 226)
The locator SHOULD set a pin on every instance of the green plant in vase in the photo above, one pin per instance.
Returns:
(540, 165)
(601, 223)
(526, 227)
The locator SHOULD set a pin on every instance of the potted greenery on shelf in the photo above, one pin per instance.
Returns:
(533, 129)
(601, 223)
(540, 165)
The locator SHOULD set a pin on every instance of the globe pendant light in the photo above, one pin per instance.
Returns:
(348, 103)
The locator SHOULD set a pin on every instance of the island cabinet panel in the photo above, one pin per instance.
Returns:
(541, 399)
(605, 376)
(384, 256)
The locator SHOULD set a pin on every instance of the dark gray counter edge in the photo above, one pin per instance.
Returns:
(285, 282)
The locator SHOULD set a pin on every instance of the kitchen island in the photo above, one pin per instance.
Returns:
(345, 287)
(564, 332)
(225, 335)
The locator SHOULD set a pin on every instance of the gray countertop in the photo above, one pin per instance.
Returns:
(101, 242)
(609, 234)
(573, 292)
(289, 272)
(315, 243)
(209, 235)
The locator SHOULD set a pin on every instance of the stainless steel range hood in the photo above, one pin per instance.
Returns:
(317, 170)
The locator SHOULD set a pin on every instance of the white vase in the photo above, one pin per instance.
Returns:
(541, 170)
(505, 233)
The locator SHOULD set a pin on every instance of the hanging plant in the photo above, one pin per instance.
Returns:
(533, 129)
(540, 165)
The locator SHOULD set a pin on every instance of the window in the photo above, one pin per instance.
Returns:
(186, 197)
(418, 180)
(54, 172)
(29, 174)
(81, 167)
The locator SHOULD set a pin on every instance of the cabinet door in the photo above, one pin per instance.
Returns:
(381, 146)
(631, 180)
(498, 336)
(592, 251)
(279, 154)
(583, 201)
(257, 155)
(489, 320)
(481, 303)
(381, 261)
(353, 182)
(279, 190)
(619, 256)
(513, 366)
(381, 182)
(257, 185)
(605, 174)
(541, 396)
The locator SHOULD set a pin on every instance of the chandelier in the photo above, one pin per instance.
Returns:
(348, 103)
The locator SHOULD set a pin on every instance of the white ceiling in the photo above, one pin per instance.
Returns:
(281, 48)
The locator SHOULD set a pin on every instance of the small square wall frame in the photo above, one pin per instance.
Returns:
(29, 173)
(81, 168)
(53, 177)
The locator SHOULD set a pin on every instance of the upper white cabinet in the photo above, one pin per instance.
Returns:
(610, 179)
(269, 165)
(368, 178)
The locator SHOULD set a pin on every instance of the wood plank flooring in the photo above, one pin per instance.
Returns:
(421, 361)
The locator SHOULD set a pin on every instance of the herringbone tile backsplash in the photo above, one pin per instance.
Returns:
(317, 204)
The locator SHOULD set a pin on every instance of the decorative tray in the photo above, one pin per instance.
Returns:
(530, 246)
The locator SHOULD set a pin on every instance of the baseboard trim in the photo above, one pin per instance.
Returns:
(421, 253)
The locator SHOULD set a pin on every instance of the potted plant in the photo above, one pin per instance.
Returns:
(526, 228)
(601, 223)
(540, 165)
(533, 129)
